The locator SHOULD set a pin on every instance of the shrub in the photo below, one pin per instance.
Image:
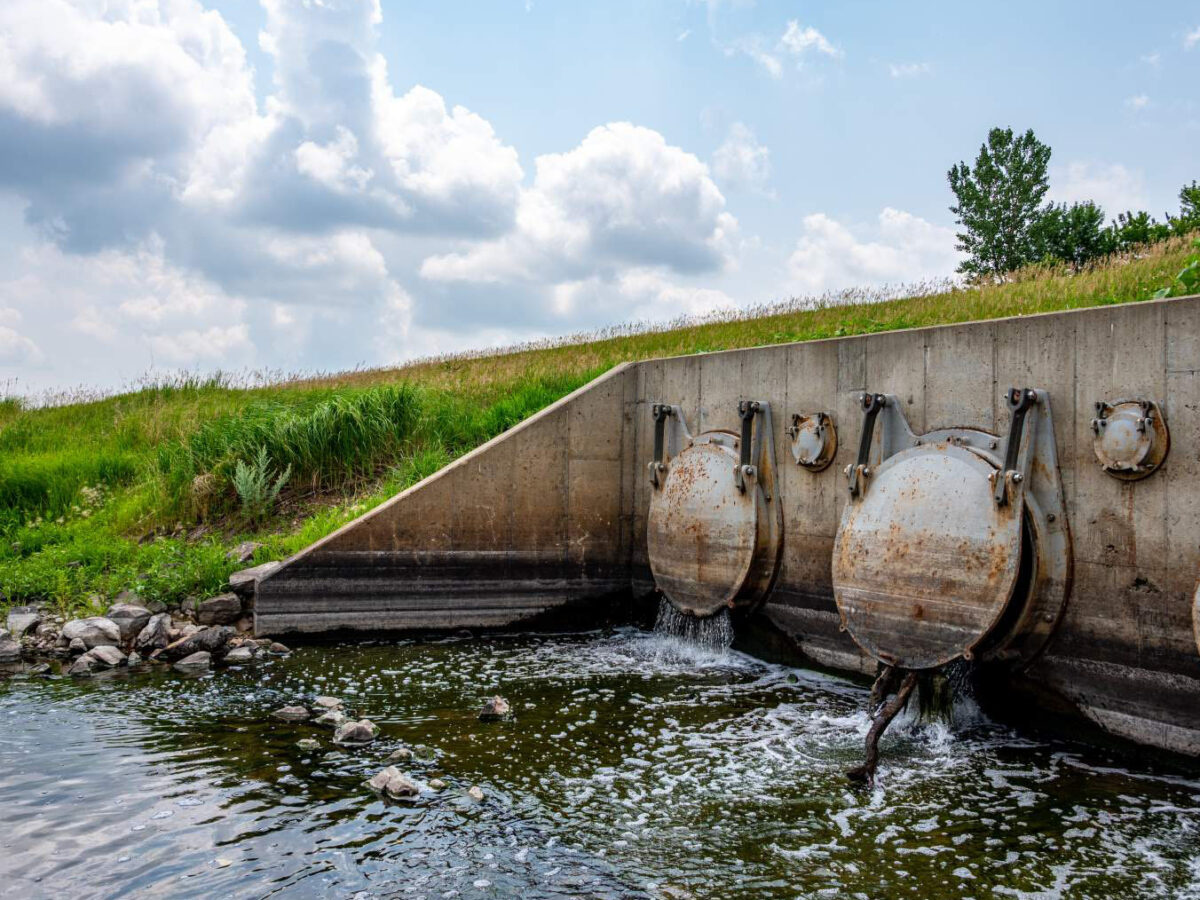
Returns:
(257, 486)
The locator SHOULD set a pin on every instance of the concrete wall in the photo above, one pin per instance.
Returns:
(555, 511)
(531, 521)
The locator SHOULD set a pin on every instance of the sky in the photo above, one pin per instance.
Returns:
(313, 185)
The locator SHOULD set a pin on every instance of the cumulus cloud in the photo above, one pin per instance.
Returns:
(1112, 186)
(909, 70)
(901, 248)
(624, 197)
(801, 41)
(741, 162)
(1192, 38)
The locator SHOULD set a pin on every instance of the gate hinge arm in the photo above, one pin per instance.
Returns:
(660, 413)
(1007, 481)
(859, 472)
(748, 446)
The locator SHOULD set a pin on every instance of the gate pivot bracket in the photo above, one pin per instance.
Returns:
(660, 413)
(1006, 482)
(858, 473)
(751, 443)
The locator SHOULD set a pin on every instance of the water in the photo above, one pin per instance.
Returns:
(636, 766)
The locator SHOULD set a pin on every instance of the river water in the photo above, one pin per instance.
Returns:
(635, 766)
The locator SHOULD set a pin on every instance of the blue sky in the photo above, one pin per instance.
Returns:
(314, 185)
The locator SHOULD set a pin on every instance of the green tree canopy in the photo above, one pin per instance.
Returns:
(1074, 234)
(999, 202)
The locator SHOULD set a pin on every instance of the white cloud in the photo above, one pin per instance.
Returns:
(1137, 102)
(903, 249)
(909, 70)
(1112, 186)
(801, 41)
(215, 344)
(16, 349)
(741, 162)
(1192, 38)
(623, 197)
(1153, 60)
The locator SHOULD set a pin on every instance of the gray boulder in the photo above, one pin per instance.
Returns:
(494, 708)
(392, 783)
(107, 657)
(76, 646)
(244, 551)
(155, 635)
(95, 631)
(223, 609)
(22, 620)
(239, 656)
(213, 640)
(130, 619)
(356, 733)
(327, 703)
(245, 582)
(335, 718)
(134, 659)
(291, 713)
(10, 651)
(194, 663)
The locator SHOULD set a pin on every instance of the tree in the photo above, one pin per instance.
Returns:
(1189, 209)
(999, 202)
(1074, 234)
(1133, 229)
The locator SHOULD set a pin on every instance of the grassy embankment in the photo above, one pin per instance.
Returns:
(136, 490)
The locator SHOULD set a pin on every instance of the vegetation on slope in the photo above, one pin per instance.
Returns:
(137, 491)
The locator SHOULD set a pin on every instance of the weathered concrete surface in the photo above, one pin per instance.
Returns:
(527, 523)
(554, 511)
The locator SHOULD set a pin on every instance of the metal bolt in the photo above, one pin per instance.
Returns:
(1051, 517)
(1018, 477)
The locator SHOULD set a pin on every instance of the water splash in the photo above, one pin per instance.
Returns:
(713, 633)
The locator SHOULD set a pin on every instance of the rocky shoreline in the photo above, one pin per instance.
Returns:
(193, 637)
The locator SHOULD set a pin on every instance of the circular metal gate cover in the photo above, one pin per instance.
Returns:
(702, 530)
(925, 564)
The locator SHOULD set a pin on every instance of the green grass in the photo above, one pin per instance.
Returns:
(135, 490)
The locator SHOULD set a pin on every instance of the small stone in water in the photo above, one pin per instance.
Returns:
(291, 713)
(332, 719)
(327, 703)
(494, 708)
(308, 743)
(239, 655)
(278, 648)
(222, 863)
(403, 754)
(393, 784)
(200, 661)
(436, 784)
(475, 793)
(361, 732)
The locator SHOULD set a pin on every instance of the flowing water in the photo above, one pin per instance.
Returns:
(635, 766)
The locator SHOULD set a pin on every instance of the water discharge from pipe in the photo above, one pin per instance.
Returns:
(713, 633)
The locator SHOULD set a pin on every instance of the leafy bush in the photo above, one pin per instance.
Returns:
(257, 486)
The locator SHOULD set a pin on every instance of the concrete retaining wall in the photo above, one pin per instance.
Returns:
(554, 511)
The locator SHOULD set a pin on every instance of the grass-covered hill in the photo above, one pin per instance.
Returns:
(148, 490)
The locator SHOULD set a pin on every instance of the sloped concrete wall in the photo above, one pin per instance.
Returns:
(530, 522)
(554, 512)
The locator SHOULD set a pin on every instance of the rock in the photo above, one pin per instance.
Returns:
(223, 609)
(130, 619)
(239, 656)
(475, 793)
(10, 651)
(188, 607)
(245, 625)
(436, 784)
(134, 659)
(77, 646)
(356, 733)
(155, 635)
(22, 620)
(291, 713)
(403, 754)
(278, 648)
(155, 606)
(39, 669)
(245, 582)
(213, 640)
(130, 597)
(244, 552)
(47, 632)
(494, 708)
(391, 783)
(95, 631)
(189, 628)
(83, 666)
(308, 743)
(108, 657)
(327, 703)
(193, 663)
(335, 718)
